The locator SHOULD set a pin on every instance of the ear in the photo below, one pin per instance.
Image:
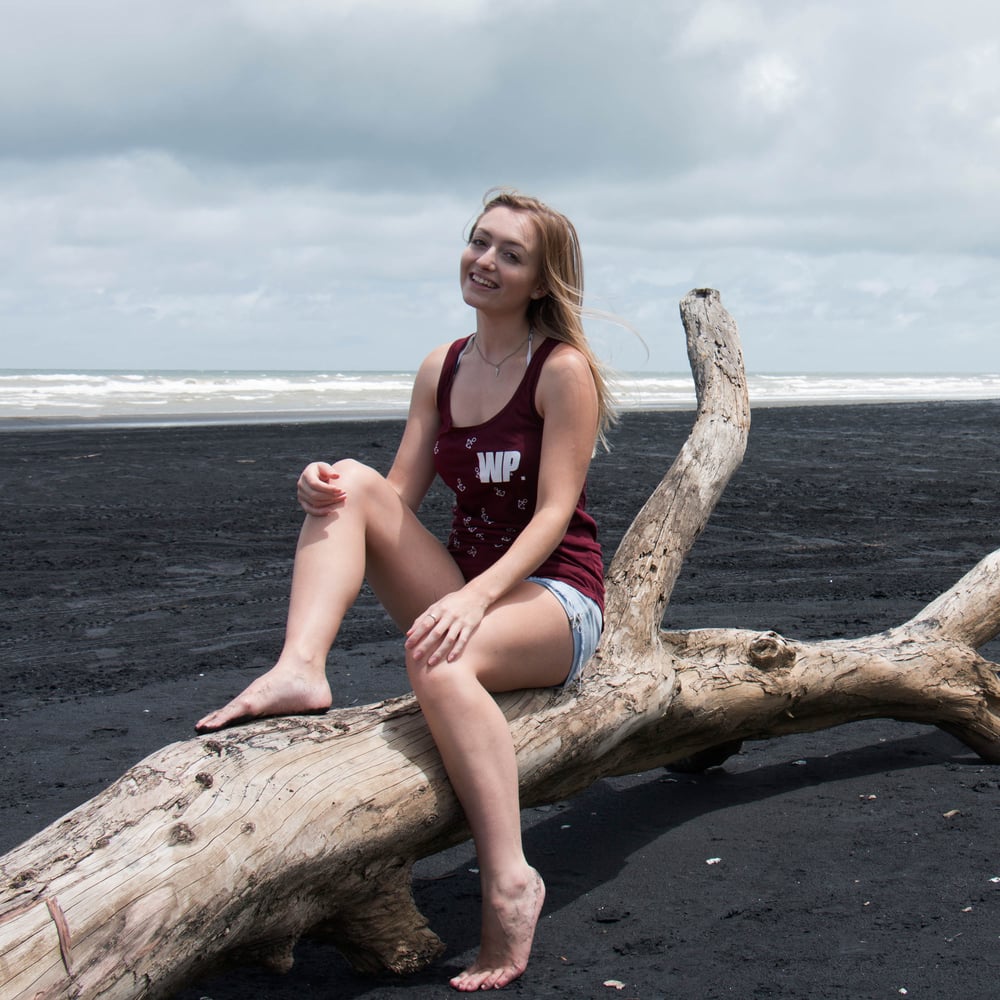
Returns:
(540, 292)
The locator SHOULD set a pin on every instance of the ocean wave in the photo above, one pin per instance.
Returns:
(187, 396)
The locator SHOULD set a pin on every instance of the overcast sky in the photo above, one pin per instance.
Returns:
(286, 183)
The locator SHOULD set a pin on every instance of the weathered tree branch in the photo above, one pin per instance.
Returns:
(649, 559)
(229, 848)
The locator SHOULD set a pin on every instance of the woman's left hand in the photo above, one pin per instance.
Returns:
(444, 629)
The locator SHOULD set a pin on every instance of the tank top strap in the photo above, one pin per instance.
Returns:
(447, 376)
(526, 390)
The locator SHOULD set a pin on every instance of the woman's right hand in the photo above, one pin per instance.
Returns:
(318, 491)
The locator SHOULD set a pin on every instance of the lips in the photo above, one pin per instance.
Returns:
(478, 279)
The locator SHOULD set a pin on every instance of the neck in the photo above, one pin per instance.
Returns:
(497, 363)
(501, 334)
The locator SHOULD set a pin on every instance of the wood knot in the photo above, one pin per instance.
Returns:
(204, 779)
(23, 878)
(770, 651)
(180, 833)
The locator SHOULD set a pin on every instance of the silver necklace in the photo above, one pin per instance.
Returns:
(495, 365)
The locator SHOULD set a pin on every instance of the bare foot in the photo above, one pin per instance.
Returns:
(509, 922)
(278, 692)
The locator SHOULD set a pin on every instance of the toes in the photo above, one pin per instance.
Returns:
(484, 979)
(471, 984)
(222, 717)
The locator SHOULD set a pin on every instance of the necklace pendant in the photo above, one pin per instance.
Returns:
(497, 365)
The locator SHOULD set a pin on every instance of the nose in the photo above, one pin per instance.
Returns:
(488, 258)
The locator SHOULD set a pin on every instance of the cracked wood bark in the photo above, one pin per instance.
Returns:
(228, 848)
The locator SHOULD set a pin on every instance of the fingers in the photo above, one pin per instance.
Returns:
(323, 506)
(459, 642)
(425, 635)
(438, 635)
(317, 490)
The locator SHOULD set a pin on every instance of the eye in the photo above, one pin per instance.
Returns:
(513, 257)
(477, 241)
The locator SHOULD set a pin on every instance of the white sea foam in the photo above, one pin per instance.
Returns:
(66, 398)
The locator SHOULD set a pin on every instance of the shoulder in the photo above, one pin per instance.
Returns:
(430, 368)
(436, 357)
(565, 377)
(566, 360)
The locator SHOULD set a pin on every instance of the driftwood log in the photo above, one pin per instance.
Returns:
(228, 848)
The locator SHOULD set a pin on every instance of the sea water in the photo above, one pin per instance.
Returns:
(65, 398)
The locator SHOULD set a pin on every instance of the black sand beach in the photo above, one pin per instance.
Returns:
(144, 580)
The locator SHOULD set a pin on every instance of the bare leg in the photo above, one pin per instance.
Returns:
(330, 563)
(521, 643)
(323, 586)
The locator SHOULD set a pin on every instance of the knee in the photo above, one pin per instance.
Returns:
(418, 675)
(359, 480)
(434, 683)
(350, 472)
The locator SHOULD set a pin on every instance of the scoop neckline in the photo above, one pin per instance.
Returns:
(514, 394)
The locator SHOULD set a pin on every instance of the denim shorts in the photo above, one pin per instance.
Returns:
(585, 621)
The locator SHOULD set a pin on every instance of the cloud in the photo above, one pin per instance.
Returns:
(251, 184)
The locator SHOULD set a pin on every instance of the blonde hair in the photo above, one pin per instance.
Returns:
(559, 313)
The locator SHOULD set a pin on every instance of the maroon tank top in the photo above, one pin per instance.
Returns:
(492, 468)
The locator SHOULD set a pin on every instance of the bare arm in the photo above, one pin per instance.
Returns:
(412, 469)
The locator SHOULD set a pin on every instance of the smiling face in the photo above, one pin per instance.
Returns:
(500, 267)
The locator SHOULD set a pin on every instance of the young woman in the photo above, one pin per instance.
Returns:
(509, 418)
